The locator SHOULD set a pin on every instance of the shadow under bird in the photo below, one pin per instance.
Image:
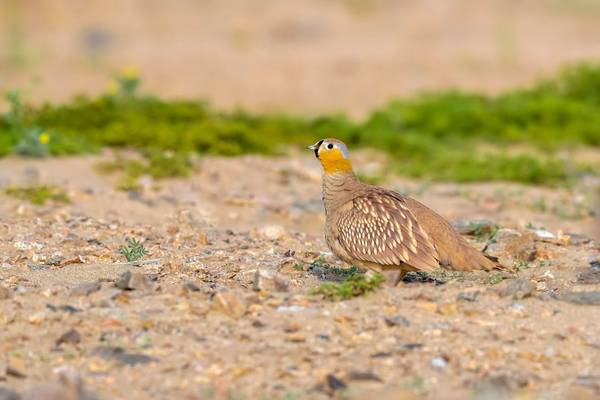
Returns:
(383, 231)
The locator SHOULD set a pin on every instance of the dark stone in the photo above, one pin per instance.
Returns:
(85, 289)
(519, 288)
(363, 376)
(65, 308)
(412, 346)
(419, 277)
(397, 320)
(335, 383)
(123, 281)
(69, 337)
(589, 277)
(468, 296)
(37, 267)
(120, 355)
(381, 354)
(581, 298)
(8, 394)
(192, 287)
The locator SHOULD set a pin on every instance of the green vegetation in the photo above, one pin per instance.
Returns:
(134, 250)
(155, 163)
(453, 135)
(354, 286)
(38, 195)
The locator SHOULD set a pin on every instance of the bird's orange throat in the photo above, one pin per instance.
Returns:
(334, 162)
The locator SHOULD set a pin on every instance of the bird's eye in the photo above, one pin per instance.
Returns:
(330, 146)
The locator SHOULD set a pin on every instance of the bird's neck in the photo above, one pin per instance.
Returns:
(338, 189)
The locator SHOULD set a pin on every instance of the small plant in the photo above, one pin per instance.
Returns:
(354, 286)
(38, 195)
(134, 250)
(484, 232)
(495, 279)
(327, 272)
(33, 143)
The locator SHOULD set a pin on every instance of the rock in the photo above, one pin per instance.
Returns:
(363, 376)
(191, 287)
(8, 394)
(472, 226)
(511, 246)
(85, 289)
(230, 304)
(118, 354)
(334, 383)
(543, 234)
(397, 320)
(589, 277)
(439, 363)
(134, 281)
(5, 293)
(69, 337)
(272, 232)
(468, 296)
(519, 288)
(581, 298)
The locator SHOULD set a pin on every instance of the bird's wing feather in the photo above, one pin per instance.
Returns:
(380, 228)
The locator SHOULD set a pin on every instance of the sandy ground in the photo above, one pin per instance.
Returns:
(307, 56)
(220, 309)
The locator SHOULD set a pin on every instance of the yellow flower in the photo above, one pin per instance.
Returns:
(130, 73)
(44, 138)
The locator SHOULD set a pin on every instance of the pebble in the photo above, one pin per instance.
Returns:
(397, 320)
(581, 298)
(230, 304)
(519, 288)
(5, 293)
(589, 277)
(134, 281)
(120, 355)
(468, 296)
(334, 383)
(69, 337)
(272, 232)
(439, 363)
(85, 289)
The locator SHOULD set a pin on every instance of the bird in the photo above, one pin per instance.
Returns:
(383, 231)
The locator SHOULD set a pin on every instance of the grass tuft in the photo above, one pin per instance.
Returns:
(39, 195)
(354, 286)
(134, 250)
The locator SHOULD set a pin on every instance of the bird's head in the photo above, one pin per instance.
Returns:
(333, 155)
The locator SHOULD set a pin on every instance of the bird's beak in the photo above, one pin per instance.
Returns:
(315, 148)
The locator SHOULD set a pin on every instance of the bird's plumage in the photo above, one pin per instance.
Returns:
(382, 230)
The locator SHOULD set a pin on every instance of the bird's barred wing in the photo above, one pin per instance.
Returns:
(379, 228)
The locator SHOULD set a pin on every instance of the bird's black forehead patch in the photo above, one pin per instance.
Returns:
(319, 143)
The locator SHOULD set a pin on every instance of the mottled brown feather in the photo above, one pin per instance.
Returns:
(380, 228)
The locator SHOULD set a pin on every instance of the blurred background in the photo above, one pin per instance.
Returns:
(306, 55)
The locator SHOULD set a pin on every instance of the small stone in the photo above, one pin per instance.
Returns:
(519, 288)
(468, 296)
(543, 234)
(191, 287)
(8, 394)
(5, 293)
(439, 363)
(363, 376)
(272, 232)
(335, 383)
(581, 298)
(134, 281)
(69, 337)
(120, 355)
(589, 277)
(230, 304)
(85, 289)
(397, 320)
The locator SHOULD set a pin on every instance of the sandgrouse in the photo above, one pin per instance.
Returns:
(384, 231)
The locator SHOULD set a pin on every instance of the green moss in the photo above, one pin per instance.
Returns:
(354, 286)
(38, 195)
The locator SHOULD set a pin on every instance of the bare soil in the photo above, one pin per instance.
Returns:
(220, 307)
